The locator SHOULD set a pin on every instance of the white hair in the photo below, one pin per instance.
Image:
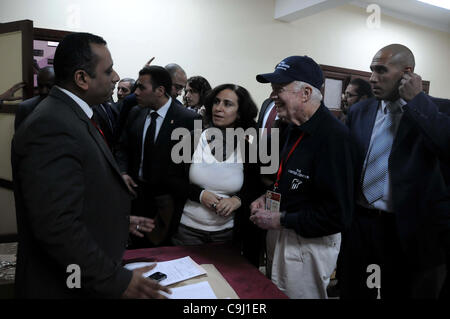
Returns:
(315, 95)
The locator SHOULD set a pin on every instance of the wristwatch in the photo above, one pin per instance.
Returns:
(283, 219)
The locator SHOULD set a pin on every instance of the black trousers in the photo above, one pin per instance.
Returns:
(145, 205)
(373, 240)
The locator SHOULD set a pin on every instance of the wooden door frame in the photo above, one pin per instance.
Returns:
(26, 27)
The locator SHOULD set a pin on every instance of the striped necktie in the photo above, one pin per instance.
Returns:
(377, 162)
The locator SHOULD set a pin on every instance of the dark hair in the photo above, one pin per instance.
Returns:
(362, 87)
(74, 53)
(247, 108)
(158, 77)
(201, 86)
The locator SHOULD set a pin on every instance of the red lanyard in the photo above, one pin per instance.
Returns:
(100, 130)
(280, 169)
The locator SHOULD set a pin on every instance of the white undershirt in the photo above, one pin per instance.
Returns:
(221, 178)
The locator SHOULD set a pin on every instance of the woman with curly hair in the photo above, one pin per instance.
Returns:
(220, 179)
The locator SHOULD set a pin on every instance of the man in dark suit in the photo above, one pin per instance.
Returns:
(357, 90)
(402, 216)
(144, 153)
(72, 205)
(45, 80)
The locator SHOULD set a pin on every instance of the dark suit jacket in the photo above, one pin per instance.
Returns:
(25, 108)
(161, 183)
(71, 202)
(130, 146)
(419, 194)
(262, 112)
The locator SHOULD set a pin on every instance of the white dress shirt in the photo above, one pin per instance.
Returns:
(162, 112)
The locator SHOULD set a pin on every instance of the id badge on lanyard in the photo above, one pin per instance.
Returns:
(273, 198)
(273, 201)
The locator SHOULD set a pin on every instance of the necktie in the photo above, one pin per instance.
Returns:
(109, 113)
(378, 159)
(270, 120)
(149, 142)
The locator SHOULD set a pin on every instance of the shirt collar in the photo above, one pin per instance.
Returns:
(400, 102)
(84, 106)
(163, 110)
(310, 126)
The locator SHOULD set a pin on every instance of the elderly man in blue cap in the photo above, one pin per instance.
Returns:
(311, 201)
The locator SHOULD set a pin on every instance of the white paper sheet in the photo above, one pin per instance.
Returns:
(176, 270)
(201, 290)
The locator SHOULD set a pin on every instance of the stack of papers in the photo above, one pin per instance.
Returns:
(176, 270)
(201, 290)
(183, 275)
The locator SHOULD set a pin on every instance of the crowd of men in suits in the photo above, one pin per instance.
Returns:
(82, 164)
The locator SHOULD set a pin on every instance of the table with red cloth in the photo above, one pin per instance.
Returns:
(246, 280)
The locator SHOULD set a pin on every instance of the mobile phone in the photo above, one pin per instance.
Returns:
(158, 276)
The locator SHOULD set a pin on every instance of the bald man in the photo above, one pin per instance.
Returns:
(179, 80)
(45, 81)
(402, 214)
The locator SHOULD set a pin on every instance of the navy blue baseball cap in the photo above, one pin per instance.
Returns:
(295, 68)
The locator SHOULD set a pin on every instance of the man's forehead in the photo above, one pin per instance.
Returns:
(180, 78)
(382, 57)
(101, 51)
(125, 83)
(144, 78)
(351, 87)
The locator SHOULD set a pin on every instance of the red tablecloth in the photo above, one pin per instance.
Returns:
(247, 281)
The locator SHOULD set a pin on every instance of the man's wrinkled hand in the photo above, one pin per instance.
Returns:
(265, 219)
(259, 203)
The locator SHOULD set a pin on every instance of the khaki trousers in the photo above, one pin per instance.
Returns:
(301, 267)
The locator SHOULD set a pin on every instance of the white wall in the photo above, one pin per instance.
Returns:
(233, 40)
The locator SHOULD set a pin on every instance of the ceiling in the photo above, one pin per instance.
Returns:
(413, 11)
(409, 10)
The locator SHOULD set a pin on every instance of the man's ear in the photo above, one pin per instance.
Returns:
(306, 95)
(161, 91)
(81, 79)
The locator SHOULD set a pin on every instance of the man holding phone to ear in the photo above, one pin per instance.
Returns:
(401, 220)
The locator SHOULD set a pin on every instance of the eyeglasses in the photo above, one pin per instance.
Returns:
(178, 87)
(349, 95)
